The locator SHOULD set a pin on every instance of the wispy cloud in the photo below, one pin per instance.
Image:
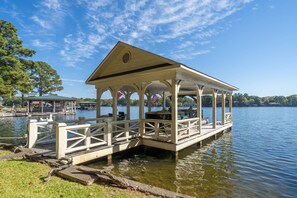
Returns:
(151, 22)
(141, 22)
(49, 13)
(43, 44)
(72, 80)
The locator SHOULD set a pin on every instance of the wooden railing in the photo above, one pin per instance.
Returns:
(45, 132)
(187, 128)
(85, 136)
(157, 129)
(79, 137)
(40, 133)
(228, 117)
(124, 130)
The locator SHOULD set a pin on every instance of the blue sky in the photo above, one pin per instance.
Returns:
(250, 44)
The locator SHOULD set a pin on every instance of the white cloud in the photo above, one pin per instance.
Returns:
(72, 80)
(50, 13)
(147, 22)
(43, 23)
(43, 44)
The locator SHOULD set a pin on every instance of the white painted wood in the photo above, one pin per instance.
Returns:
(32, 133)
(199, 106)
(174, 110)
(61, 144)
(87, 132)
(214, 108)
(223, 107)
(114, 103)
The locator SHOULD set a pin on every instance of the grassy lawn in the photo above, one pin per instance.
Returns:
(23, 179)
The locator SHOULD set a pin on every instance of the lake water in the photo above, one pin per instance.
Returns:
(257, 159)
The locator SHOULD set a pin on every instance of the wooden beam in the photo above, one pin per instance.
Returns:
(214, 108)
(223, 107)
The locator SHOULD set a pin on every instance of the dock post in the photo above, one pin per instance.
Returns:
(127, 131)
(32, 133)
(200, 144)
(108, 132)
(61, 140)
(88, 138)
(175, 155)
(109, 159)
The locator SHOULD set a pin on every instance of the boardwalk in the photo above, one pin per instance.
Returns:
(88, 139)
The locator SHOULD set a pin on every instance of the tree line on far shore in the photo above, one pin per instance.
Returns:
(18, 73)
(238, 100)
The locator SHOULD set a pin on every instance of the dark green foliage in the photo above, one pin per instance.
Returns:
(45, 79)
(18, 74)
(13, 76)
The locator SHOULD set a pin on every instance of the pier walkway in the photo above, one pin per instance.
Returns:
(88, 139)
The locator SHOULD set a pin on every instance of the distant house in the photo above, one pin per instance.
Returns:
(51, 104)
(87, 105)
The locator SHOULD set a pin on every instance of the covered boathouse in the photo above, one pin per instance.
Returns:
(40, 105)
(131, 70)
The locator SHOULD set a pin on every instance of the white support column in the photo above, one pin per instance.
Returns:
(108, 131)
(149, 101)
(141, 110)
(61, 140)
(199, 107)
(174, 110)
(87, 133)
(164, 101)
(128, 94)
(32, 133)
(54, 107)
(98, 102)
(223, 107)
(114, 103)
(214, 108)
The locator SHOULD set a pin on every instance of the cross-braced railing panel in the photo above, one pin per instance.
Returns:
(45, 133)
(85, 136)
(157, 129)
(187, 128)
(228, 117)
(124, 130)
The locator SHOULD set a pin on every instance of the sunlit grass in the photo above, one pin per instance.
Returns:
(23, 179)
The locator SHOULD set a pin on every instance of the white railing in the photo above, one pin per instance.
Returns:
(228, 117)
(40, 133)
(44, 132)
(187, 128)
(157, 129)
(85, 136)
(81, 137)
(124, 130)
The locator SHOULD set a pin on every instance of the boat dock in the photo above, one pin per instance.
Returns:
(128, 71)
(88, 139)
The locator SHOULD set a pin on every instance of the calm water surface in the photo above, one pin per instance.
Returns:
(257, 159)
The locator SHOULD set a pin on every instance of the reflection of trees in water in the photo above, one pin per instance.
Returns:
(155, 168)
(207, 171)
(12, 127)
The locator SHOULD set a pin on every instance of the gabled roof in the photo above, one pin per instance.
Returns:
(115, 64)
(50, 98)
(125, 59)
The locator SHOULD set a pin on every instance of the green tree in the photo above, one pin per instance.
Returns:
(13, 76)
(45, 79)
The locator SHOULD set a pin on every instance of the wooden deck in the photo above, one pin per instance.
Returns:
(89, 139)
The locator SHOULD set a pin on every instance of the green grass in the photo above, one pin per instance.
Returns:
(23, 179)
